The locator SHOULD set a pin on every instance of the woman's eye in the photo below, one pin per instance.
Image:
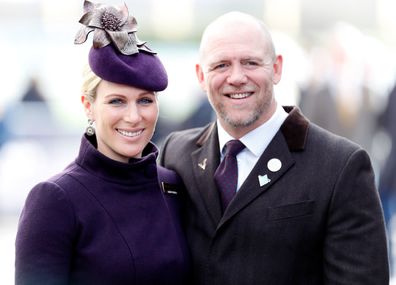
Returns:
(145, 101)
(115, 101)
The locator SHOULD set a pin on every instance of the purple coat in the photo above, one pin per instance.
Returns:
(103, 222)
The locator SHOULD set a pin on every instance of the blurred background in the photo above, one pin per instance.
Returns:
(339, 67)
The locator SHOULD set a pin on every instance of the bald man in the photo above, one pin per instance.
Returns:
(304, 209)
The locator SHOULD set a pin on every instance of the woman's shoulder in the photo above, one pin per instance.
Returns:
(48, 191)
(55, 186)
(47, 200)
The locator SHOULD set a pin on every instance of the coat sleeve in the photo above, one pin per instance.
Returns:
(355, 249)
(44, 238)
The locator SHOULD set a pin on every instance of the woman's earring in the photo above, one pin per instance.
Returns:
(90, 130)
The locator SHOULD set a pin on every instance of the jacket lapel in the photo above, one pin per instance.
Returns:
(204, 162)
(291, 137)
(261, 178)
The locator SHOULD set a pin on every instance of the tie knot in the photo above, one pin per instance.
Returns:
(233, 147)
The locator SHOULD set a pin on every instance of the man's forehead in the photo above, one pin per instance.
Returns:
(233, 50)
(239, 56)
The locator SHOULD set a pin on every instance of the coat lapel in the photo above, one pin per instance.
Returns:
(204, 163)
(291, 137)
(261, 178)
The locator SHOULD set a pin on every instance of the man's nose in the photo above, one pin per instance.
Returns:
(237, 75)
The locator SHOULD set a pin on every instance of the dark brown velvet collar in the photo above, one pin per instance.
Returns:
(295, 128)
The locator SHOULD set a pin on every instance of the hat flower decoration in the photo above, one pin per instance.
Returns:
(110, 24)
(117, 55)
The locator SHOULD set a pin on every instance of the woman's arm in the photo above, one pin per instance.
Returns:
(44, 241)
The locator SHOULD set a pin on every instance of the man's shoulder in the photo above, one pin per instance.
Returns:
(329, 141)
(188, 136)
(180, 143)
(187, 132)
(301, 133)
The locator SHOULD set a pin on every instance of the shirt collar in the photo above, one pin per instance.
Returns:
(257, 140)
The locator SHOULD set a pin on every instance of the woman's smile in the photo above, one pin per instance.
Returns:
(130, 134)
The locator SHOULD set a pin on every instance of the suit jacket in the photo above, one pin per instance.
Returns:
(317, 220)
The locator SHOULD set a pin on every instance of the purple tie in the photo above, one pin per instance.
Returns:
(226, 175)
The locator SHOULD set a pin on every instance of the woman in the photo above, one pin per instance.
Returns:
(111, 217)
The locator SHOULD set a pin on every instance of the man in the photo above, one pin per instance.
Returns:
(306, 209)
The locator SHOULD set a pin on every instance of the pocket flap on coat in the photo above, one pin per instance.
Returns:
(291, 210)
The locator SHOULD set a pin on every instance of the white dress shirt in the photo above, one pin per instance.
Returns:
(256, 141)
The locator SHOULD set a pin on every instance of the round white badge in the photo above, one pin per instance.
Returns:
(274, 164)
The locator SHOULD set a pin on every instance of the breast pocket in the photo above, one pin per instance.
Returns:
(290, 211)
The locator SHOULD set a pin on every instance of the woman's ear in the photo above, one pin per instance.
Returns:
(87, 106)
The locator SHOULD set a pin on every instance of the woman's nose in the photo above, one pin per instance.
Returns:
(132, 114)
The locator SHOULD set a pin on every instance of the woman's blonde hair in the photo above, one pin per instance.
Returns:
(90, 83)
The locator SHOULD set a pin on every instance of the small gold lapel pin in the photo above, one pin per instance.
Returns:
(203, 164)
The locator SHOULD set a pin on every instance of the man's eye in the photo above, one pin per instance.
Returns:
(251, 63)
(219, 66)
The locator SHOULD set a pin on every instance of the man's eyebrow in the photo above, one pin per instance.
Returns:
(254, 58)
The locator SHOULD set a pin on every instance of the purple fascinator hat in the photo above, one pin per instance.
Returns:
(117, 55)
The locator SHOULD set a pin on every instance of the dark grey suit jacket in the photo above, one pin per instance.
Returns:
(317, 221)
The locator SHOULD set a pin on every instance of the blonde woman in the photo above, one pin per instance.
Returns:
(112, 216)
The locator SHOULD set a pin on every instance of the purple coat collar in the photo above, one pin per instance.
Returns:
(137, 170)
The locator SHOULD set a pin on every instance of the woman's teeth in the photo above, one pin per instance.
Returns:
(129, 134)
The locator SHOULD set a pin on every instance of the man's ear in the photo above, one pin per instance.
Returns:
(87, 107)
(200, 76)
(277, 67)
